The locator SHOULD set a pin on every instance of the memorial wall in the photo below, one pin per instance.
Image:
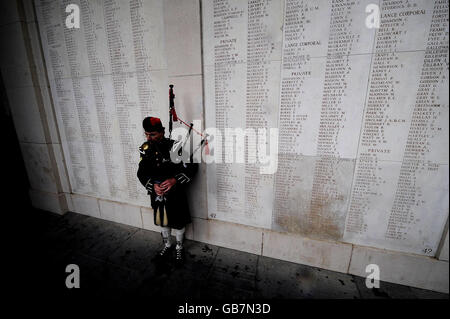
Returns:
(105, 78)
(362, 116)
(362, 113)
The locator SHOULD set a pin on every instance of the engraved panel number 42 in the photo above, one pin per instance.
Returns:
(427, 250)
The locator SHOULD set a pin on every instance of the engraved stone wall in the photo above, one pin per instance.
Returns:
(362, 113)
(362, 116)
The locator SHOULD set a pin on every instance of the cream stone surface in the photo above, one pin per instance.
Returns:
(37, 61)
(182, 37)
(52, 126)
(39, 167)
(405, 269)
(342, 91)
(235, 14)
(422, 232)
(228, 235)
(120, 213)
(86, 205)
(230, 183)
(443, 255)
(17, 77)
(52, 202)
(40, 77)
(307, 208)
(59, 167)
(189, 233)
(69, 202)
(323, 254)
(26, 115)
(14, 54)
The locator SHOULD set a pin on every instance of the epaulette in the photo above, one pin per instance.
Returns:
(144, 147)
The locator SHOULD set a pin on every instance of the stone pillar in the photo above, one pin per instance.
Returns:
(443, 247)
(182, 25)
(25, 78)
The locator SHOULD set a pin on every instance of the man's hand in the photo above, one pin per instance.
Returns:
(167, 184)
(158, 190)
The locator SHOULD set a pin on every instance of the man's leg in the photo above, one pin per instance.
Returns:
(165, 233)
(179, 234)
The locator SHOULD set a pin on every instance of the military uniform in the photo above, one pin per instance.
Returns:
(155, 166)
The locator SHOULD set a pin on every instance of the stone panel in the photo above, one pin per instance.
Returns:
(39, 167)
(52, 202)
(182, 37)
(121, 213)
(228, 235)
(324, 254)
(86, 205)
(405, 269)
(26, 114)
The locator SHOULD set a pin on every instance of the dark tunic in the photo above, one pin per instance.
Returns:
(155, 166)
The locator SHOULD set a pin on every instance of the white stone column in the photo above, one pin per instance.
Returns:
(31, 106)
(442, 253)
(182, 24)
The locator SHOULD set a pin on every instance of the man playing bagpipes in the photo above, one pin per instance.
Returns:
(165, 180)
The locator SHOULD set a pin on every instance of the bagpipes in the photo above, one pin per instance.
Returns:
(173, 117)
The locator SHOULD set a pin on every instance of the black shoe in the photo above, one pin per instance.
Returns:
(179, 256)
(164, 253)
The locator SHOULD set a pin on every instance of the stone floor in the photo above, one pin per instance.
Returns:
(115, 262)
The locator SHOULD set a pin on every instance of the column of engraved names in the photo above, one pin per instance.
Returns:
(105, 113)
(73, 45)
(325, 190)
(382, 92)
(52, 22)
(142, 58)
(423, 127)
(119, 77)
(296, 65)
(225, 60)
(258, 49)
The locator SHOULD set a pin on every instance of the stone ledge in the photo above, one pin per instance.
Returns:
(120, 213)
(52, 202)
(443, 251)
(228, 235)
(323, 254)
(400, 268)
(86, 205)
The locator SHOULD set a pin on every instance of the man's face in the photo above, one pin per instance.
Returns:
(154, 136)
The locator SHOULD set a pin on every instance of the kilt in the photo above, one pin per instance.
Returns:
(172, 212)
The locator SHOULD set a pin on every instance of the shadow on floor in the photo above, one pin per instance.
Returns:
(115, 263)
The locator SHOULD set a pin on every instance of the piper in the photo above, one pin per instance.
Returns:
(165, 182)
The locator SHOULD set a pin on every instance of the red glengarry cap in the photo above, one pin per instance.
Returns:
(152, 124)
